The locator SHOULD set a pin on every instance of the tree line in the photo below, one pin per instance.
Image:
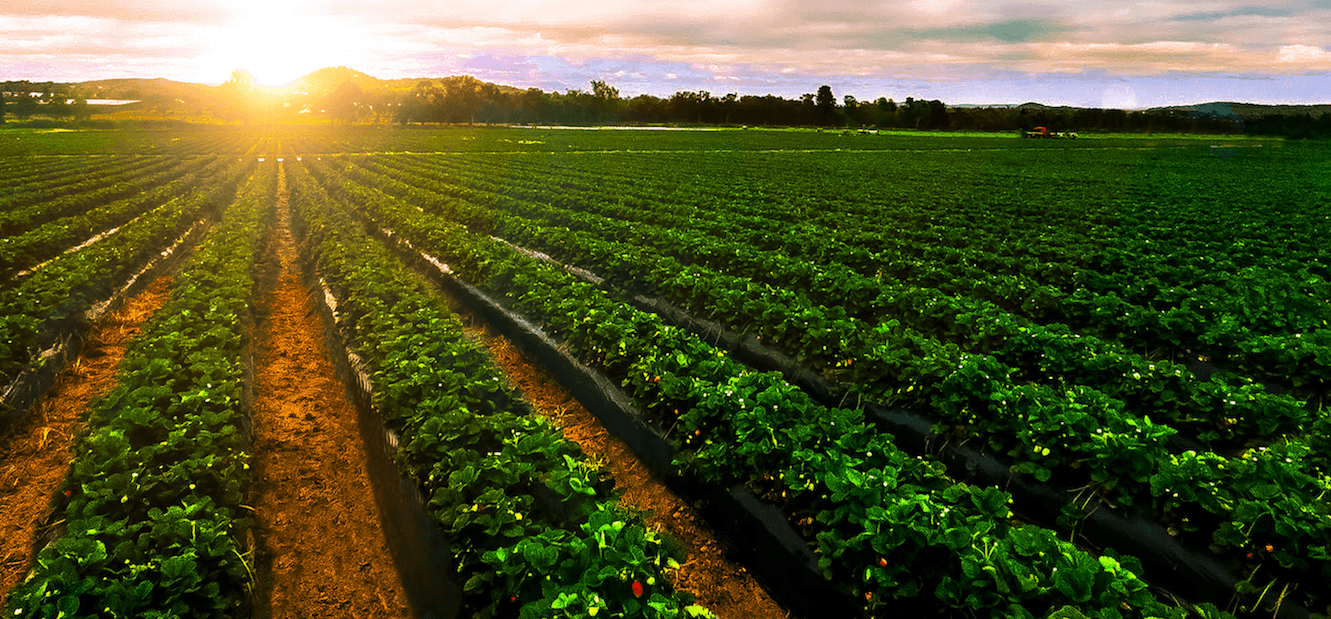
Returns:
(467, 100)
(23, 100)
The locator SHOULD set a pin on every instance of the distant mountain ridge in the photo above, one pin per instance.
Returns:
(317, 84)
(1245, 111)
(328, 78)
(1219, 109)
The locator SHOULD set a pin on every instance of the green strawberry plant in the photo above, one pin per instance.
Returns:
(535, 529)
(152, 504)
(634, 349)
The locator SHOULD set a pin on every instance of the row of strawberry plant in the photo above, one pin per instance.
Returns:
(913, 227)
(977, 326)
(693, 234)
(1268, 323)
(1081, 427)
(1289, 359)
(128, 144)
(1298, 490)
(1087, 436)
(50, 303)
(1033, 290)
(37, 180)
(968, 263)
(1145, 384)
(25, 168)
(151, 509)
(1223, 408)
(23, 252)
(535, 529)
(91, 193)
(1040, 426)
(1253, 298)
(48, 172)
(886, 525)
(972, 320)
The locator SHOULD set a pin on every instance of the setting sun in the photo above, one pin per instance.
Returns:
(277, 43)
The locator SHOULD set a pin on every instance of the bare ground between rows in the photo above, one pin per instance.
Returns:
(719, 584)
(35, 453)
(321, 550)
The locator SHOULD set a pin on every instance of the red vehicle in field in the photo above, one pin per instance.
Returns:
(1044, 132)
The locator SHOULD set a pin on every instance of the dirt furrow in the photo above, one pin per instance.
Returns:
(321, 550)
(35, 453)
(722, 586)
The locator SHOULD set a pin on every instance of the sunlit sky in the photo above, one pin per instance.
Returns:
(1111, 53)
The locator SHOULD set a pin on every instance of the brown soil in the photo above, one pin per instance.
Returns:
(725, 588)
(35, 453)
(320, 548)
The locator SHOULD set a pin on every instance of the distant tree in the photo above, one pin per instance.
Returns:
(606, 99)
(938, 118)
(826, 104)
(602, 90)
(576, 106)
(79, 109)
(687, 106)
(646, 109)
(1291, 126)
(54, 104)
(727, 106)
(381, 104)
(917, 114)
(906, 114)
(826, 100)
(237, 96)
(808, 111)
(343, 103)
(887, 112)
(534, 105)
(24, 104)
(463, 96)
(770, 110)
(497, 106)
(851, 108)
(420, 104)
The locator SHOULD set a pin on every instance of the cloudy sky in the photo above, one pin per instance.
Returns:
(1113, 53)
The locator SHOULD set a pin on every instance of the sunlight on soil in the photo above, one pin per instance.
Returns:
(722, 586)
(35, 454)
(321, 550)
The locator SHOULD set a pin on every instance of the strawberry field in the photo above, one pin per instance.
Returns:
(949, 376)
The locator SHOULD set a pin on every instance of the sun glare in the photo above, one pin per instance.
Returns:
(278, 42)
